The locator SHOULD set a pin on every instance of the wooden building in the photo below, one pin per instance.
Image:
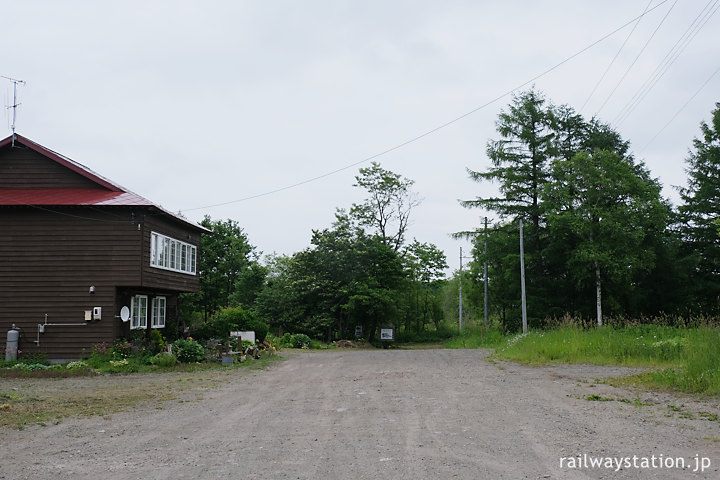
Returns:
(75, 248)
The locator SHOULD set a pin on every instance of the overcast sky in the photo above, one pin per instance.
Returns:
(198, 103)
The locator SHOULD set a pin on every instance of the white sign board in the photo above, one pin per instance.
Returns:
(386, 334)
(244, 335)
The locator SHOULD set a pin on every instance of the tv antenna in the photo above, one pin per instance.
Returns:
(15, 104)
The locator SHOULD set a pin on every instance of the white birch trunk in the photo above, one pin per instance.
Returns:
(598, 290)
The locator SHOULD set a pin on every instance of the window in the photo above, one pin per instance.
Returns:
(158, 312)
(138, 307)
(170, 254)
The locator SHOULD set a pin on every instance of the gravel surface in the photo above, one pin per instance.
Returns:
(413, 414)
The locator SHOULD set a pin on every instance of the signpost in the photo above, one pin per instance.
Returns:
(387, 334)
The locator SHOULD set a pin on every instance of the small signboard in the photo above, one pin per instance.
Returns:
(387, 334)
(358, 331)
(244, 335)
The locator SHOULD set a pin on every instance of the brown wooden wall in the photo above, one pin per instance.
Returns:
(21, 167)
(50, 256)
(158, 277)
(49, 260)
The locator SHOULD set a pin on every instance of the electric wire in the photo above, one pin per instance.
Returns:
(400, 145)
(617, 54)
(627, 71)
(436, 129)
(673, 54)
(680, 110)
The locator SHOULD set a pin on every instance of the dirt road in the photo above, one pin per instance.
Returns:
(414, 414)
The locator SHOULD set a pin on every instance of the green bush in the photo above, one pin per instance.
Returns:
(34, 359)
(122, 348)
(77, 365)
(188, 351)
(297, 340)
(157, 342)
(163, 359)
(231, 319)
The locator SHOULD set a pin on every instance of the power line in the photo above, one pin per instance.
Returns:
(673, 54)
(680, 110)
(637, 57)
(438, 128)
(614, 58)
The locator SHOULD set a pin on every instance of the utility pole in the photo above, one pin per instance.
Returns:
(522, 279)
(460, 304)
(485, 277)
(460, 290)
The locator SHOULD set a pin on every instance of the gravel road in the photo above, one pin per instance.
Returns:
(415, 414)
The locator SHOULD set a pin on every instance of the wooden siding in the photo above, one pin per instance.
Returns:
(21, 167)
(49, 260)
(166, 279)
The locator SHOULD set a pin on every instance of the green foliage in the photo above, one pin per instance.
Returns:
(77, 365)
(188, 351)
(228, 270)
(641, 345)
(297, 340)
(607, 208)
(164, 359)
(519, 158)
(388, 206)
(232, 319)
(478, 337)
(596, 217)
(34, 359)
(425, 336)
(122, 348)
(688, 357)
(157, 342)
(699, 214)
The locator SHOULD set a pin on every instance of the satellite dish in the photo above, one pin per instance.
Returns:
(125, 314)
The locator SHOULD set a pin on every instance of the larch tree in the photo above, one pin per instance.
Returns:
(700, 210)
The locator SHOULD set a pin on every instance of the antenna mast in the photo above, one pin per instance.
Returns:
(15, 103)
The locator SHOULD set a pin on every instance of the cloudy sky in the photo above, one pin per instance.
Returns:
(205, 107)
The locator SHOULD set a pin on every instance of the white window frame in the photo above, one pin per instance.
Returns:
(159, 312)
(138, 308)
(167, 253)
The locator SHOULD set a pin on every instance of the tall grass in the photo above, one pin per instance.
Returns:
(683, 359)
(642, 345)
(478, 337)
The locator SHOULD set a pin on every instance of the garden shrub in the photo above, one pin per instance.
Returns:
(34, 359)
(121, 349)
(297, 340)
(77, 365)
(231, 319)
(163, 359)
(157, 342)
(188, 351)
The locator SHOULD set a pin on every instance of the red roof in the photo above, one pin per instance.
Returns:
(69, 196)
(108, 193)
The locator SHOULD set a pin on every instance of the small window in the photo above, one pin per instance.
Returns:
(173, 252)
(158, 312)
(139, 312)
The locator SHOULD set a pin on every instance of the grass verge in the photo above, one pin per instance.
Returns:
(681, 359)
(26, 401)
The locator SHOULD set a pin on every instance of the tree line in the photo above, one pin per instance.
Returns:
(600, 242)
(360, 273)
